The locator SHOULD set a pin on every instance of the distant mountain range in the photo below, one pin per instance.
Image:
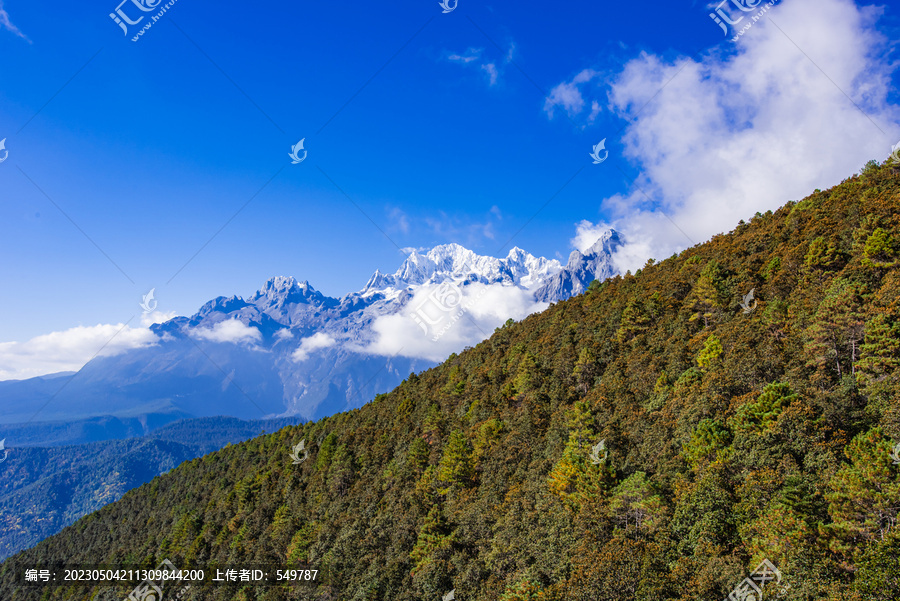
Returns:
(290, 350)
(43, 490)
(79, 441)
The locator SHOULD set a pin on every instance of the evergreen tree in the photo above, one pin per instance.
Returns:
(455, 467)
(838, 326)
(864, 497)
(586, 370)
(880, 354)
(705, 297)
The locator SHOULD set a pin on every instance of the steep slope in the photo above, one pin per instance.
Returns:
(731, 434)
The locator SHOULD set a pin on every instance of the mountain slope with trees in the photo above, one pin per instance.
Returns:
(731, 435)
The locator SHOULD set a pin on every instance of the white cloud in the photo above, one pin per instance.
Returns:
(462, 229)
(317, 341)
(586, 233)
(68, 350)
(284, 334)
(229, 330)
(490, 67)
(148, 319)
(730, 135)
(7, 24)
(399, 219)
(595, 111)
(452, 322)
(472, 54)
(568, 94)
(491, 70)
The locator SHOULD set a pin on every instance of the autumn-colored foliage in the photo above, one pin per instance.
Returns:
(731, 434)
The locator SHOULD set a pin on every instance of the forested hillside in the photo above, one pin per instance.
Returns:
(732, 434)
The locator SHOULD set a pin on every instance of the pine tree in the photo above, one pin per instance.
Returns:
(576, 478)
(837, 329)
(761, 414)
(880, 354)
(712, 349)
(634, 322)
(586, 369)
(706, 441)
(704, 298)
(434, 535)
(864, 497)
(881, 250)
(455, 467)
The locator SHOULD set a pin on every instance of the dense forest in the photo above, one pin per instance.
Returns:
(734, 430)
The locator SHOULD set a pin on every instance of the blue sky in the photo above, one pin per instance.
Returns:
(126, 158)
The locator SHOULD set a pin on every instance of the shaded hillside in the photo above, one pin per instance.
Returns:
(42, 490)
(75, 432)
(732, 436)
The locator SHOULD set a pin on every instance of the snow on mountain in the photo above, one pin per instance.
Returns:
(452, 262)
(290, 350)
(594, 264)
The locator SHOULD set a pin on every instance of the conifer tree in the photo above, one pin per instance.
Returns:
(838, 326)
(455, 467)
(864, 497)
(704, 298)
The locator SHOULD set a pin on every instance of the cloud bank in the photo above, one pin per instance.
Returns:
(434, 324)
(317, 341)
(229, 330)
(68, 350)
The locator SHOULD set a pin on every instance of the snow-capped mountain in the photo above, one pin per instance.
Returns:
(452, 262)
(594, 264)
(290, 350)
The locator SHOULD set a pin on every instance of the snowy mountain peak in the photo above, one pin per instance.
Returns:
(312, 355)
(607, 243)
(285, 290)
(452, 262)
(596, 262)
(281, 283)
